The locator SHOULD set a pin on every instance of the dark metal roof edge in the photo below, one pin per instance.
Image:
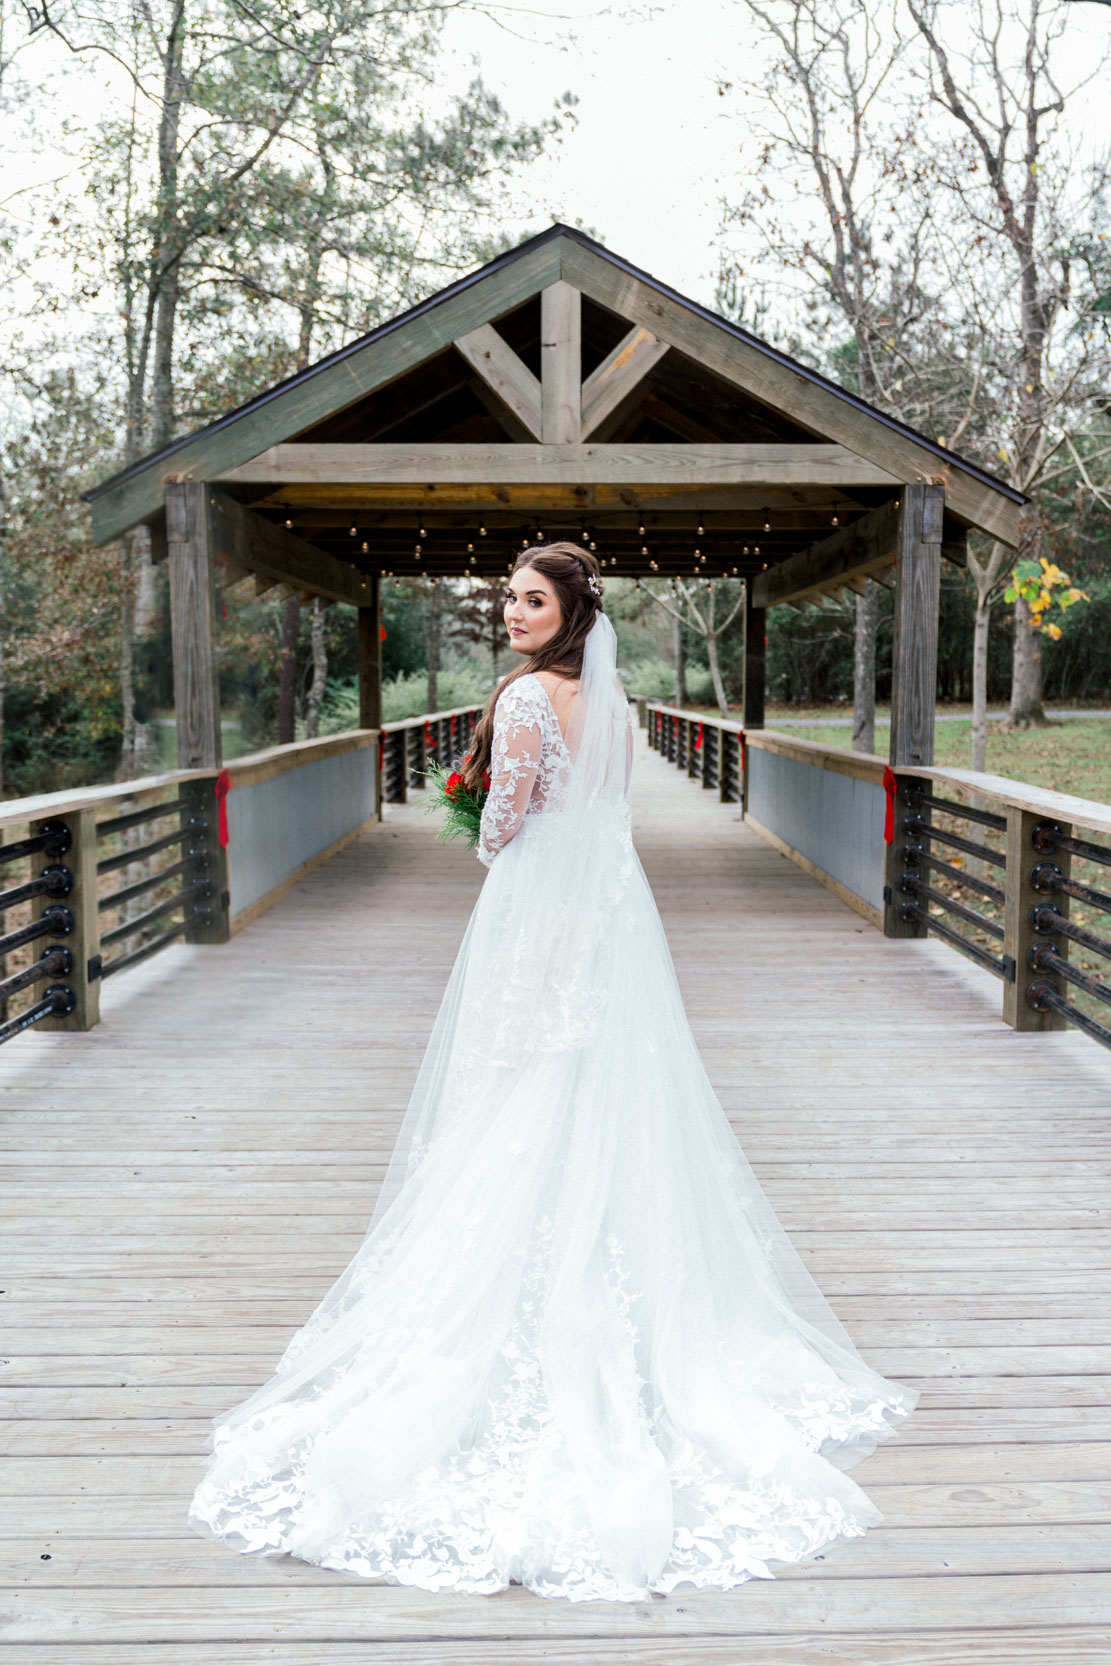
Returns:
(555, 231)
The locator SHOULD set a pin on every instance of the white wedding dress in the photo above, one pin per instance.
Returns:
(576, 1349)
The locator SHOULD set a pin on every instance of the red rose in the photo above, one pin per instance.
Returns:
(454, 782)
(486, 780)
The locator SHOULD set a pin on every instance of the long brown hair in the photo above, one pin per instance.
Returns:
(570, 570)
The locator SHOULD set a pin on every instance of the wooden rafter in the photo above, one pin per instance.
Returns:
(561, 364)
(618, 377)
(516, 390)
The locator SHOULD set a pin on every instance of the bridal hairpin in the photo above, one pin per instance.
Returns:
(595, 587)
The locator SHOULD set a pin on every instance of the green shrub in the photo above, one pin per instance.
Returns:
(405, 696)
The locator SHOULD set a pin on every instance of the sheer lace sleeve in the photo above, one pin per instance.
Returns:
(514, 761)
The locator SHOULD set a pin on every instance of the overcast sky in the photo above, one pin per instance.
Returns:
(655, 148)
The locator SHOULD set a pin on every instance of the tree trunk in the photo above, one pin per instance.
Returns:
(1026, 711)
(864, 669)
(165, 275)
(126, 767)
(433, 645)
(315, 697)
(287, 667)
(680, 666)
(981, 622)
(715, 673)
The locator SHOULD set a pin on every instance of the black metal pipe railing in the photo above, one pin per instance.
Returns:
(1043, 957)
(913, 855)
(1044, 996)
(108, 864)
(1047, 917)
(56, 920)
(57, 962)
(202, 887)
(136, 818)
(54, 881)
(129, 892)
(1047, 876)
(917, 887)
(986, 818)
(145, 950)
(919, 828)
(54, 839)
(1048, 837)
(998, 964)
(57, 1001)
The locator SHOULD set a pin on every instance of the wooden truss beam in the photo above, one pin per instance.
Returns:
(561, 363)
(608, 389)
(684, 466)
(856, 552)
(247, 542)
(515, 389)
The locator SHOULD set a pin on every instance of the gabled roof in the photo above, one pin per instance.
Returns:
(783, 388)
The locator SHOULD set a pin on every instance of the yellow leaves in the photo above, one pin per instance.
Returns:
(1053, 632)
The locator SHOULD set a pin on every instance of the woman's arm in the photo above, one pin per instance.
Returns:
(514, 761)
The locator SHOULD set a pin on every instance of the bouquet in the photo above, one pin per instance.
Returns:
(464, 808)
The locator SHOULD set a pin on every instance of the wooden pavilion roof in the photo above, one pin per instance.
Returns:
(559, 392)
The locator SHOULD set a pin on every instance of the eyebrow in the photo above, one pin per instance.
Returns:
(529, 592)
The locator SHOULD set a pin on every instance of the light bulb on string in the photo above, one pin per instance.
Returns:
(352, 530)
(482, 532)
(700, 529)
(366, 547)
(767, 522)
(834, 521)
(470, 549)
(640, 529)
(289, 523)
(422, 533)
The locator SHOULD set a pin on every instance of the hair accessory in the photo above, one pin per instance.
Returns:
(595, 587)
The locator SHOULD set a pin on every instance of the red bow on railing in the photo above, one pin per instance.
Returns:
(429, 740)
(698, 739)
(744, 750)
(381, 751)
(221, 787)
(675, 725)
(890, 787)
(453, 728)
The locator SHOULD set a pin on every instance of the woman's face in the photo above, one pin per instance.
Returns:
(532, 611)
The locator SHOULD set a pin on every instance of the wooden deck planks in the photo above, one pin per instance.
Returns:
(182, 1184)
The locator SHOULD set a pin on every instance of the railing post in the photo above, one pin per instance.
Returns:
(895, 865)
(642, 710)
(1021, 936)
(212, 923)
(83, 941)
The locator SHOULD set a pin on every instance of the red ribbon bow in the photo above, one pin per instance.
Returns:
(221, 787)
(744, 750)
(453, 728)
(429, 743)
(698, 739)
(675, 725)
(381, 751)
(890, 787)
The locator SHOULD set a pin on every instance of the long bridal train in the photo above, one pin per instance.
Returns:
(576, 1348)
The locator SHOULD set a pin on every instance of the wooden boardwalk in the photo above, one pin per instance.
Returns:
(182, 1183)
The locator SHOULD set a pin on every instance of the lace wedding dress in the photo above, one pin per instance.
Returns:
(576, 1350)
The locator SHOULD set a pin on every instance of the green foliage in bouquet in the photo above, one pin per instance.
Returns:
(463, 809)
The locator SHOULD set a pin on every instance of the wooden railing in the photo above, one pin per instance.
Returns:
(407, 747)
(1008, 874)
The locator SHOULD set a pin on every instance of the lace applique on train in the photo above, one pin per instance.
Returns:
(529, 763)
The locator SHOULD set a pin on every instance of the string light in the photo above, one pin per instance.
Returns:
(834, 521)
(640, 529)
(700, 528)
(767, 522)
(655, 566)
(289, 523)
(470, 549)
(482, 532)
(422, 533)
(365, 548)
(352, 529)
(644, 549)
(756, 549)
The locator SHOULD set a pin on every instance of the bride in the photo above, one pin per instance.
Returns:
(576, 1349)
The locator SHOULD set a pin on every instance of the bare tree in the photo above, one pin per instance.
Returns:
(702, 605)
(1013, 176)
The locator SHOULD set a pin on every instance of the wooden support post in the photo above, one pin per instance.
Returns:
(756, 627)
(917, 594)
(193, 625)
(561, 364)
(83, 941)
(370, 675)
(895, 866)
(201, 817)
(1022, 858)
